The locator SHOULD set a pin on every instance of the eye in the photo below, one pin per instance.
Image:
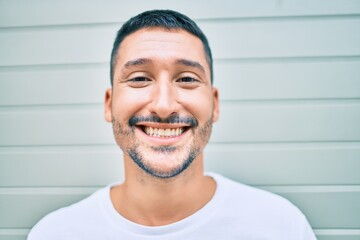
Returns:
(138, 82)
(139, 79)
(187, 80)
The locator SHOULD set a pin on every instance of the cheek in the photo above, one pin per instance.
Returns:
(199, 104)
(128, 102)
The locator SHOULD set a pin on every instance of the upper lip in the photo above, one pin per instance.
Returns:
(162, 125)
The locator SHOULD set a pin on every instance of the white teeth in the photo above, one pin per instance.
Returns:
(167, 132)
(160, 132)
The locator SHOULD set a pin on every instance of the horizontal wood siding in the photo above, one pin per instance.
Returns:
(275, 38)
(289, 79)
(237, 80)
(240, 122)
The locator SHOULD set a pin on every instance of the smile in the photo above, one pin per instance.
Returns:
(163, 132)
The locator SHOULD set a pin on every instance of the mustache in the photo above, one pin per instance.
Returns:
(175, 118)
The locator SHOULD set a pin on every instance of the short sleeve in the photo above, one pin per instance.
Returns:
(308, 233)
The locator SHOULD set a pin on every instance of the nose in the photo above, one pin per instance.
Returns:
(164, 101)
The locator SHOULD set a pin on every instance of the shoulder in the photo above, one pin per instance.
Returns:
(251, 197)
(252, 206)
(68, 219)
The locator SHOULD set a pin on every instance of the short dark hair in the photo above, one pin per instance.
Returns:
(167, 19)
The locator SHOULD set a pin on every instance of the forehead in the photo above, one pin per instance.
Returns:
(162, 44)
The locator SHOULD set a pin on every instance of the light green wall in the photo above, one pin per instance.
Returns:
(289, 79)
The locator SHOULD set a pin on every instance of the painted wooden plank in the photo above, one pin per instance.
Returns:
(55, 126)
(287, 80)
(338, 237)
(236, 80)
(293, 122)
(239, 39)
(61, 166)
(293, 38)
(65, 85)
(19, 13)
(325, 207)
(285, 164)
(22, 208)
(254, 164)
(239, 122)
(13, 234)
(337, 234)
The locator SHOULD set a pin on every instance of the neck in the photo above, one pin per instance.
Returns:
(152, 201)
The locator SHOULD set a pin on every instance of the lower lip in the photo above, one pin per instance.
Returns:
(165, 140)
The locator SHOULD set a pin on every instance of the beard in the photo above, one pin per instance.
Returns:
(182, 155)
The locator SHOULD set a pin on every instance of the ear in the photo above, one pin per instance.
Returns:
(216, 104)
(108, 100)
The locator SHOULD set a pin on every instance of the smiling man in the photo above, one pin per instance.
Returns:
(162, 105)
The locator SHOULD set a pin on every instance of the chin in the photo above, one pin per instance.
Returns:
(161, 168)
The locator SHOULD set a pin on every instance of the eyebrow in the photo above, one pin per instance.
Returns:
(190, 63)
(144, 61)
(137, 62)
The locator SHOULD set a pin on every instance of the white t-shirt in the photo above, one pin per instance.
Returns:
(236, 211)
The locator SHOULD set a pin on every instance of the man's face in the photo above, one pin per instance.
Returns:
(162, 104)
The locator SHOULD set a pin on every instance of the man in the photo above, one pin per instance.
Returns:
(162, 105)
